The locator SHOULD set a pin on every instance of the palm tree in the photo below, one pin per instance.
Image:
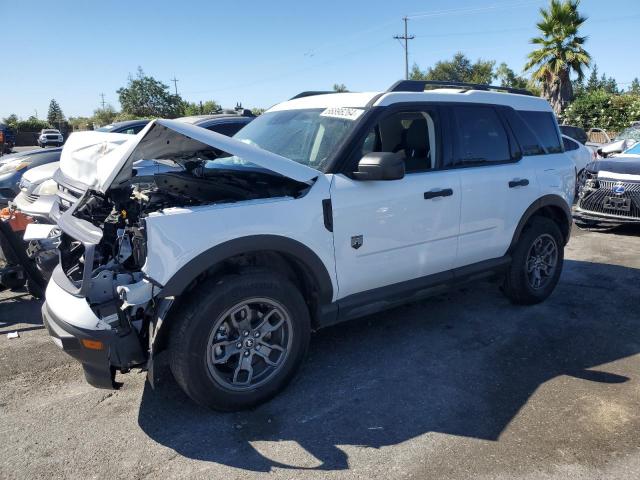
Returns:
(560, 52)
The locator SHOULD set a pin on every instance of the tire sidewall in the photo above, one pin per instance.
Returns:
(538, 227)
(202, 386)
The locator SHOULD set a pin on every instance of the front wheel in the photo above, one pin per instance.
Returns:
(536, 263)
(240, 340)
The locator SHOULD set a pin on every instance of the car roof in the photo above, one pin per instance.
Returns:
(128, 123)
(448, 95)
(198, 119)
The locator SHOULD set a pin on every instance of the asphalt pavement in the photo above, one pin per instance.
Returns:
(464, 385)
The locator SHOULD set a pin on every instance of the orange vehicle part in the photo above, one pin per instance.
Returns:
(17, 220)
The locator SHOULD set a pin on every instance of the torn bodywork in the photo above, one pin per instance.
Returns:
(105, 234)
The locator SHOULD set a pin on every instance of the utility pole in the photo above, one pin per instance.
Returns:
(406, 39)
(102, 97)
(175, 84)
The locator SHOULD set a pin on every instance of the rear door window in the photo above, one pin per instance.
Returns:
(569, 144)
(544, 126)
(480, 136)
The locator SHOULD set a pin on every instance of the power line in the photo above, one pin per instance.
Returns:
(406, 39)
(175, 84)
(464, 11)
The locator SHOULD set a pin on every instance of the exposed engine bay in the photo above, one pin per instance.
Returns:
(116, 278)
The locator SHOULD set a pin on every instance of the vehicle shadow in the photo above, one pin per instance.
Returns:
(463, 364)
(19, 308)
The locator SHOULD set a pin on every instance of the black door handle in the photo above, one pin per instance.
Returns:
(445, 192)
(518, 183)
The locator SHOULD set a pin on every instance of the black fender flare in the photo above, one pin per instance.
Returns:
(545, 201)
(247, 245)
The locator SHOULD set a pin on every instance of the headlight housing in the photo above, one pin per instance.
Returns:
(14, 166)
(48, 187)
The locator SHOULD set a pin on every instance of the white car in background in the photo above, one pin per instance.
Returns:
(50, 136)
(580, 154)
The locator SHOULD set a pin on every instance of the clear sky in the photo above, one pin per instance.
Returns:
(260, 53)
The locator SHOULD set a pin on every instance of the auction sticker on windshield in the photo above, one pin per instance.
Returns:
(342, 112)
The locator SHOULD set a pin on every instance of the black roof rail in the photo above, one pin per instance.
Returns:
(311, 93)
(420, 85)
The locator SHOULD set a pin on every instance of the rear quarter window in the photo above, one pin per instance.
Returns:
(543, 124)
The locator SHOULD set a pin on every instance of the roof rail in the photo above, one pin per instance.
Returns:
(420, 85)
(311, 93)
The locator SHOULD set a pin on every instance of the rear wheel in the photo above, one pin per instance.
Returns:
(536, 263)
(240, 340)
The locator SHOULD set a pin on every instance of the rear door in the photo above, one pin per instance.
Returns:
(497, 183)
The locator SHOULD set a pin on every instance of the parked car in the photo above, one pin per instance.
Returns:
(9, 138)
(575, 133)
(50, 136)
(323, 209)
(130, 127)
(609, 191)
(13, 166)
(579, 153)
(623, 141)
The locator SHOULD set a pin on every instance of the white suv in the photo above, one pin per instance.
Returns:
(325, 208)
(50, 136)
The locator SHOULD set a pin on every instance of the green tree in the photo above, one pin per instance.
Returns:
(593, 83)
(11, 120)
(144, 96)
(508, 78)
(560, 52)
(81, 123)
(55, 115)
(32, 124)
(458, 69)
(609, 84)
(104, 116)
(340, 88)
(200, 108)
(635, 86)
(602, 109)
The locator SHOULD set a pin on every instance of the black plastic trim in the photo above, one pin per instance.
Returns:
(419, 86)
(327, 214)
(545, 201)
(122, 349)
(246, 245)
(389, 296)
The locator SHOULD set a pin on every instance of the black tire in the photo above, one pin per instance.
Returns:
(203, 309)
(517, 284)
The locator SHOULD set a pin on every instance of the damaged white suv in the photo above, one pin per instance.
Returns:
(325, 208)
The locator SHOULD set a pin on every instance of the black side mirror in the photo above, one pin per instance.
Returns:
(380, 166)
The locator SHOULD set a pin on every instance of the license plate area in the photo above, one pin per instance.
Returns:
(620, 204)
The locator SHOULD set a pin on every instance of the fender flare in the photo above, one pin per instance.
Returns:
(246, 245)
(545, 201)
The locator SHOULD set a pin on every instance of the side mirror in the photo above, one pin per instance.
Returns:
(380, 166)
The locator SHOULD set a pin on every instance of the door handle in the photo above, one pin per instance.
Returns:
(518, 183)
(444, 192)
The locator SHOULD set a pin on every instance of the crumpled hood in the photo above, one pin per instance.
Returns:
(110, 162)
(80, 155)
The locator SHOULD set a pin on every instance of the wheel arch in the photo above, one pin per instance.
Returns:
(256, 250)
(274, 253)
(551, 206)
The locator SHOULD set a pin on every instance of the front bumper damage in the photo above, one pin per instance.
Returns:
(103, 346)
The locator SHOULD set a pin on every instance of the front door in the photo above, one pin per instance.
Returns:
(388, 232)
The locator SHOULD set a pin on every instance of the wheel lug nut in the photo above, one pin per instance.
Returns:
(246, 333)
(238, 345)
(246, 353)
(256, 334)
